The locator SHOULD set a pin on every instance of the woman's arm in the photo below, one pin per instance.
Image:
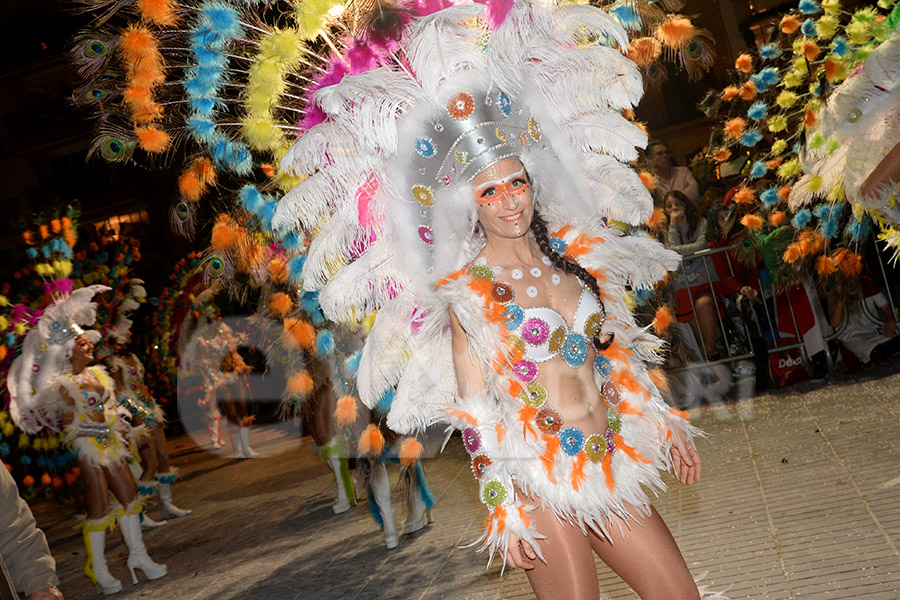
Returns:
(687, 245)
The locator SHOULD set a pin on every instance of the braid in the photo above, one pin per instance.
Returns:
(539, 229)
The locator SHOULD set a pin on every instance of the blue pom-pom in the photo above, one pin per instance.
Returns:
(204, 107)
(237, 158)
(199, 87)
(318, 318)
(32, 253)
(822, 211)
(352, 362)
(830, 228)
(801, 218)
(292, 242)
(808, 27)
(4, 449)
(751, 137)
(765, 79)
(309, 302)
(769, 197)
(251, 199)
(758, 169)
(858, 230)
(627, 16)
(758, 110)
(41, 462)
(10, 340)
(324, 343)
(769, 51)
(840, 47)
(267, 213)
(25, 460)
(222, 21)
(207, 57)
(295, 267)
(202, 129)
(384, 404)
(809, 7)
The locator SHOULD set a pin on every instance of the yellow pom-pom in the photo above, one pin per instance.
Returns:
(368, 322)
(4, 301)
(311, 14)
(410, 451)
(779, 146)
(777, 123)
(789, 169)
(261, 132)
(371, 441)
(24, 440)
(345, 411)
(4, 323)
(826, 27)
(21, 329)
(786, 99)
(283, 47)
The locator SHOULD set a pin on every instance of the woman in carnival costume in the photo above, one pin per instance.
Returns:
(460, 190)
(53, 386)
(156, 475)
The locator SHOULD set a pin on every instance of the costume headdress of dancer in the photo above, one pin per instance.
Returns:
(389, 170)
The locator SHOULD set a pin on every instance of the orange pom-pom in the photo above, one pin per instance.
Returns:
(748, 90)
(76, 471)
(810, 50)
(752, 222)
(729, 93)
(45, 479)
(659, 379)
(371, 441)
(159, 12)
(663, 319)
(643, 51)
(251, 256)
(300, 384)
(226, 234)
(66, 223)
(69, 237)
(628, 113)
(277, 270)
(299, 334)
(190, 187)
(792, 253)
(832, 69)
(658, 219)
(45, 231)
(345, 411)
(809, 119)
(825, 266)
(28, 238)
(410, 451)
(649, 180)
(675, 32)
(280, 304)
(721, 155)
(2, 352)
(204, 169)
(57, 482)
(744, 195)
(152, 139)
(744, 63)
(28, 481)
(849, 263)
(784, 192)
(774, 163)
(790, 24)
(55, 226)
(734, 128)
(777, 218)
(137, 43)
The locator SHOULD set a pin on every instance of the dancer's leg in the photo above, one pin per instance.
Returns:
(121, 482)
(97, 490)
(162, 448)
(647, 558)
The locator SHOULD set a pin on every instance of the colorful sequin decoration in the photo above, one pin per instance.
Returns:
(461, 106)
(494, 493)
(471, 440)
(479, 464)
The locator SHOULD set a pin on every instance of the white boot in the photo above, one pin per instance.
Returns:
(147, 489)
(419, 514)
(235, 437)
(137, 554)
(343, 503)
(246, 450)
(96, 569)
(169, 510)
(214, 428)
(381, 491)
(148, 524)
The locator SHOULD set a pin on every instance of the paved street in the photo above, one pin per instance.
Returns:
(799, 500)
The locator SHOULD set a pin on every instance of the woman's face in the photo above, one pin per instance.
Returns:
(83, 350)
(722, 218)
(503, 195)
(674, 207)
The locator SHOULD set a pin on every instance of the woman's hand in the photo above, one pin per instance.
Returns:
(685, 458)
(749, 293)
(518, 552)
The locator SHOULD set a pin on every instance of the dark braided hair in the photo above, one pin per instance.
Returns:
(539, 229)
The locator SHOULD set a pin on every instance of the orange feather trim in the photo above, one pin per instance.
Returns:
(643, 51)
(606, 463)
(500, 430)
(526, 415)
(675, 32)
(190, 187)
(624, 378)
(562, 231)
(152, 139)
(515, 388)
(722, 154)
(463, 416)
(578, 475)
(345, 411)
(744, 63)
(299, 334)
(280, 304)
(659, 379)
(809, 119)
(526, 520)
(729, 93)
(553, 444)
(825, 266)
(617, 352)
(277, 270)
(791, 253)
(300, 384)
(582, 244)
(409, 452)
(371, 441)
(734, 128)
(663, 319)
(225, 234)
(748, 90)
(790, 24)
(680, 413)
(810, 50)
(649, 180)
(624, 407)
(629, 450)
(777, 218)
(658, 219)
(753, 222)
(159, 12)
(745, 195)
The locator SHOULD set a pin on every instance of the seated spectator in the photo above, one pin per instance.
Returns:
(670, 177)
(870, 328)
(692, 283)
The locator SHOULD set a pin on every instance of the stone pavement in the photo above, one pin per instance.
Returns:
(799, 500)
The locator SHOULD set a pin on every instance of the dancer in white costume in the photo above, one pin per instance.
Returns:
(52, 385)
(469, 182)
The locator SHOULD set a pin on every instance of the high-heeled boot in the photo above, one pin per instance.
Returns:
(137, 553)
(145, 490)
(214, 428)
(95, 569)
(235, 437)
(169, 510)
(380, 486)
(246, 450)
(420, 501)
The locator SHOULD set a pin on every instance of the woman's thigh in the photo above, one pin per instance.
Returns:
(647, 558)
(569, 568)
(121, 482)
(97, 491)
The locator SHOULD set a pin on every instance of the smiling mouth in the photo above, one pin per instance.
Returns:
(514, 217)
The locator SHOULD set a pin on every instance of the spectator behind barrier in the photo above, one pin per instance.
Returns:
(869, 328)
(670, 177)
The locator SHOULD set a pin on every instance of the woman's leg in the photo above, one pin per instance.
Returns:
(647, 558)
(121, 482)
(707, 319)
(149, 458)
(97, 490)
(162, 448)
(317, 418)
(569, 568)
